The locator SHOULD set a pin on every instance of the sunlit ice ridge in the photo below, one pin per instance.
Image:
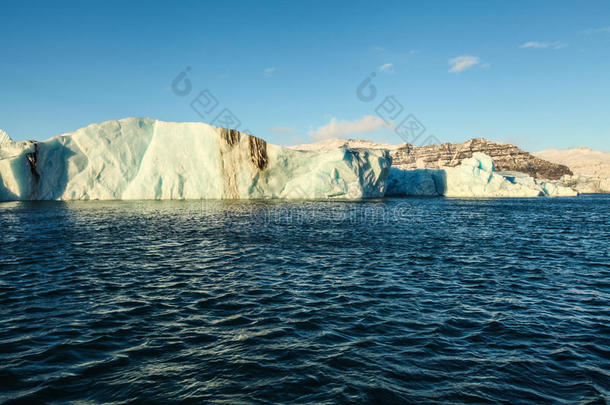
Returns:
(148, 159)
(144, 158)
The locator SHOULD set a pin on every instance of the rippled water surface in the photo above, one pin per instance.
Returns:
(393, 301)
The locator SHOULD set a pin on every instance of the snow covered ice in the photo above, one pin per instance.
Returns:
(584, 183)
(142, 158)
(4, 138)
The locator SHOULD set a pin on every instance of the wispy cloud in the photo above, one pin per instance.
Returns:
(342, 129)
(413, 51)
(542, 45)
(269, 71)
(463, 62)
(597, 30)
(387, 68)
(281, 130)
(534, 44)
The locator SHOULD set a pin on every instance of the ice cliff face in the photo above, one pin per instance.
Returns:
(141, 158)
(587, 184)
(474, 177)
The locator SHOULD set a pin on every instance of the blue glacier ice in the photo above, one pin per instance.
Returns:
(143, 158)
(474, 177)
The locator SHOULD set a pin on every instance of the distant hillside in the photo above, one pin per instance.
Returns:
(507, 157)
(580, 160)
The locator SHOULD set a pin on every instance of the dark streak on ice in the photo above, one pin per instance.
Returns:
(258, 151)
(231, 136)
(32, 159)
(258, 147)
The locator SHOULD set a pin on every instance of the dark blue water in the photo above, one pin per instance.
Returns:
(415, 300)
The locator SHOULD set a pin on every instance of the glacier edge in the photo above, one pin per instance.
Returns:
(143, 158)
(475, 177)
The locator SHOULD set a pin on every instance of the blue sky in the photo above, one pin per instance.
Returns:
(533, 73)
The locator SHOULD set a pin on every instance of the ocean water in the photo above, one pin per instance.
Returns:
(384, 301)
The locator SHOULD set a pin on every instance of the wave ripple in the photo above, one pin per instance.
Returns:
(393, 301)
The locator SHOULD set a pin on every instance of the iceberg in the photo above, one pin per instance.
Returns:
(474, 177)
(143, 158)
(587, 184)
(549, 188)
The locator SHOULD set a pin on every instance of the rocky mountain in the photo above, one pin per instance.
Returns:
(507, 157)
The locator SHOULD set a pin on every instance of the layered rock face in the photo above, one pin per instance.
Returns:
(142, 158)
(507, 157)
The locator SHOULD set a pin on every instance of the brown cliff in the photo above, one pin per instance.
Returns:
(507, 157)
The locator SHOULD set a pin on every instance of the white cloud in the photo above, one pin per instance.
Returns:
(281, 130)
(387, 68)
(542, 45)
(342, 129)
(269, 71)
(463, 62)
(597, 30)
(413, 51)
(534, 44)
